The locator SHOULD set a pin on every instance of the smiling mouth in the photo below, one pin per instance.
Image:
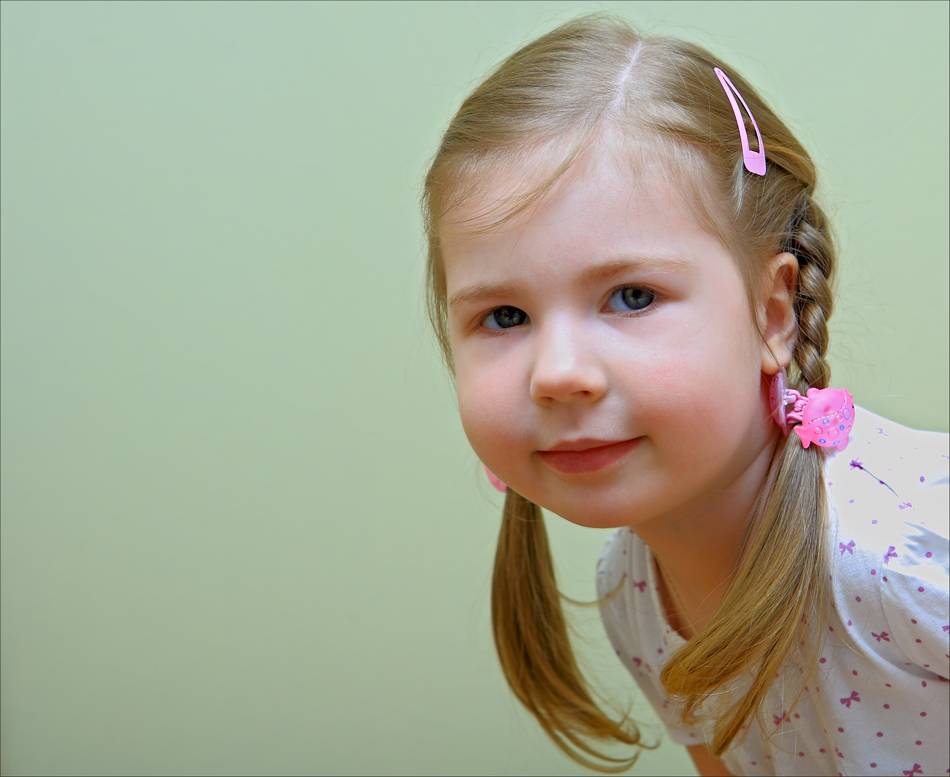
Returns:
(590, 459)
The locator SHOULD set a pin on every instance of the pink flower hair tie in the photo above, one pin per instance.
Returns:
(825, 416)
(493, 478)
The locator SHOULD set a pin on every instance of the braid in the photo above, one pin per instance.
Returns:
(810, 240)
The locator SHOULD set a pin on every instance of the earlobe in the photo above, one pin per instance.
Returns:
(777, 320)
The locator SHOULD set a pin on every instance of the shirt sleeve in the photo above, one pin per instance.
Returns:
(915, 579)
(916, 597)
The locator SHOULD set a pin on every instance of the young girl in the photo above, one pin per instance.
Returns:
(626, 263)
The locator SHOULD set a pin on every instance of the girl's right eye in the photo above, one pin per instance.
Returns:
(504, 318)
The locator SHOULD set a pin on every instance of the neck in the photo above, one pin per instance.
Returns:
(698, 548)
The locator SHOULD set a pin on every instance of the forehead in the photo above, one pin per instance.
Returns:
(603, 207)
(481, 193)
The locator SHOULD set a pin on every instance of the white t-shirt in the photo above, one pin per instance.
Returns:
(881, 704)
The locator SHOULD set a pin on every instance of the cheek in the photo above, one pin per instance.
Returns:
(695, 386)
(718, 351)
(486, 401)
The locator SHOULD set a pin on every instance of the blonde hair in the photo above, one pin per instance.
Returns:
(561, 93)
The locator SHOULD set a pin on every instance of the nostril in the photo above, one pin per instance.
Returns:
(580, 383)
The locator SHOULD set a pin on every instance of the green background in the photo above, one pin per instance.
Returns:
(242, 531)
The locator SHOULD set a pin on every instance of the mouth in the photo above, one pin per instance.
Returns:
(587, 455)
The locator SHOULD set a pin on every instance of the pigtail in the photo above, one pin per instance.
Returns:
(533, 645)
(774, 596)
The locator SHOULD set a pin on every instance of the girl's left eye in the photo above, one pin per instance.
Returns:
(630, 299)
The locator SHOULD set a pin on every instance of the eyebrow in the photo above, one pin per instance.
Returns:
(592, 276)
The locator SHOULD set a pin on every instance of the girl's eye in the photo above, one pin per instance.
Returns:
(505, 318)
(630, 298)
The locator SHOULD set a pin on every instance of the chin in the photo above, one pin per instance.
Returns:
(600, 513)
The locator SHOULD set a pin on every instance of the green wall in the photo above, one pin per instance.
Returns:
(242, 531)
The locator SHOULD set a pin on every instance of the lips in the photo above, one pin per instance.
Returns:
(587, 455)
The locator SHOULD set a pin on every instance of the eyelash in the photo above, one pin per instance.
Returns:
(625, 313)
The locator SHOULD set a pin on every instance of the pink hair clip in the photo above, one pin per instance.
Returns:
(754, 160)
(495, 481)
(825, 416)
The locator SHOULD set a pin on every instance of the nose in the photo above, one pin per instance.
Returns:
(566, 367)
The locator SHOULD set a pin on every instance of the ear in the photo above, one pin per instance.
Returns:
(776, 312)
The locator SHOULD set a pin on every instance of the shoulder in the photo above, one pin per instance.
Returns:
(890, 524)
(610, 563)
(619, 569)
(632, 617)
(890, 474)
(908, 461)
(615, 599)
(628, 604)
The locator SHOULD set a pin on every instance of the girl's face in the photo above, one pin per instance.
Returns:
(607, 364)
